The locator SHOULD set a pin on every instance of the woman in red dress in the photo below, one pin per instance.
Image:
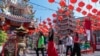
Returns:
(51, 48)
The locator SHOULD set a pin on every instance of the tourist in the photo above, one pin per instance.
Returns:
(40, 44)
(76, 48)
(51, 51)
(69, 43)
(61, 46)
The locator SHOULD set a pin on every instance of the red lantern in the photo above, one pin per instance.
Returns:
(60, 18)
(44, 22)
(70, 7)
(49, 23)
(89, 6)
(89, 14)
(54, 21)
(48, 19)
(54, 15)
(78, 9)
(84, 12)
(60, 10)
(94, 10)
(81, 4)
(73, 1)
(94, 1)
(51, 1)
(62, 3)
(67, 13)
(98, 13)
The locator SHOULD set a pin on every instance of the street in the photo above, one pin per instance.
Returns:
(97, 53)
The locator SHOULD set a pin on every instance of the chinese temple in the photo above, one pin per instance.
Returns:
(16, 13)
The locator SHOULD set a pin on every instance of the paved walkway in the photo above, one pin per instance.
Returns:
(97, 53)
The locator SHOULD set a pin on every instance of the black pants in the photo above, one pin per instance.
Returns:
(76, 50)
(67, 49)
(40, 49)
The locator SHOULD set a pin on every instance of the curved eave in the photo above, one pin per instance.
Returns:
(16, 18)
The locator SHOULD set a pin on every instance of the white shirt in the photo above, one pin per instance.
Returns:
(69, 41)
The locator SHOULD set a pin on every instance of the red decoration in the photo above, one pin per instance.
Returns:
(54, 15)
(54, 21)
(71, 7)
(60, 18)
(89, 14)
(94, 1)
(94, 10)
(62, 3)
(81, 4)
(98, 13)
(67, 13)
(60, 10)
(84, 12)
(78, 9)
(48, 19)
(51, 1)
(89, 6)
(44, 22)
(49, 23)
(73, 1)
(40, 24)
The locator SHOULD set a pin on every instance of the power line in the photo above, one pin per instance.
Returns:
(43, 6)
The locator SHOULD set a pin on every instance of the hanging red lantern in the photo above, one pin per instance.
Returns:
(98, 13)
(71, 7)
(94, 10)
(54, 21)
(40, 24)
(89, 14)
(60, 18)
(94, 1)
(84, 12)
(62, 3)
(60, 10)
(51, 1)
(67, 13)
(49, 23)
(54, 15)
(44, 22)
(48, 19)
(89, 6)
(81, 4)
(73, 1)
(78, 9)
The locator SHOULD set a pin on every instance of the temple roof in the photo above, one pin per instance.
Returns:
(16, 18)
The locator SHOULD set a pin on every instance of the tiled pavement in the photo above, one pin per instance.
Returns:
(96, 53)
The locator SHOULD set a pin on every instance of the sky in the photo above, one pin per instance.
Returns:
(45, 13)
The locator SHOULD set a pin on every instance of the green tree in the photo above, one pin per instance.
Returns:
(3, 37)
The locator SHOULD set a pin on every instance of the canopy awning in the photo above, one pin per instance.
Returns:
(16, 18)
